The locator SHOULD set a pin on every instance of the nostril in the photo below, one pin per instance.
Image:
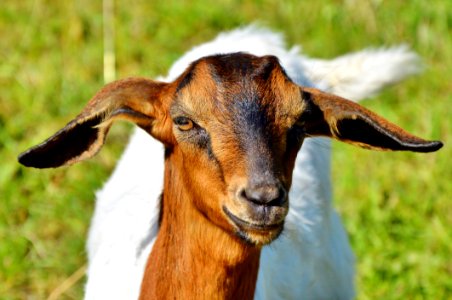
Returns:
(280, 199)
(264, 195)
(243, 195)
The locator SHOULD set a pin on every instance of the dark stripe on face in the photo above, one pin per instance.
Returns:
(251, 118)
(305, 96)
(186, 79)
(207, 145)
(201, 138)
(252, 127)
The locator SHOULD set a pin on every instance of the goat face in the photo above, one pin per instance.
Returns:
(235, 121)
(232, 126)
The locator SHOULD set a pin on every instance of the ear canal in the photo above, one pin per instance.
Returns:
(138, 100)
(344, 120)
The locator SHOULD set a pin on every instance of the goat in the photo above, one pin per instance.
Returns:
(313, 258)
(247, 169)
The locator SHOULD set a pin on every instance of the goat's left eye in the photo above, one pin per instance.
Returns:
(183, 123)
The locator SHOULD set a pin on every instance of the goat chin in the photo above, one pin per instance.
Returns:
(312, 258)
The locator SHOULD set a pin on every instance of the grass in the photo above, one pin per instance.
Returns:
(396, 206)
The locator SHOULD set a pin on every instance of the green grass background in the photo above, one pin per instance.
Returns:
(397, 207)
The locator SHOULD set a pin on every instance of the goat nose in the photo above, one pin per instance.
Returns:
(270, 195)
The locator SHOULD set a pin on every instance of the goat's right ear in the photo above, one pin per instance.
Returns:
(139, 100)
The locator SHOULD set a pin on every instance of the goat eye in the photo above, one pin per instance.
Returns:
(183, 123)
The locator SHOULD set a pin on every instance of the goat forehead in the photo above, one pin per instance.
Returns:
(239, 88)
(236, 66)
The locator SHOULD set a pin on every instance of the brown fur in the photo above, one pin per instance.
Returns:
(192, 257)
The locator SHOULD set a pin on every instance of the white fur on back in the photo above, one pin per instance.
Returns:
(125, 222)
(360, 75)
(312, 259)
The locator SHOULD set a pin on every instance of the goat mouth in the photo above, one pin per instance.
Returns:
(245, 225)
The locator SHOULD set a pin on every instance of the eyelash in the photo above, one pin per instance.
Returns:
(183, 123)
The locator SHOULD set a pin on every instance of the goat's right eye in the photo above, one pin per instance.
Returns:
(183, 123)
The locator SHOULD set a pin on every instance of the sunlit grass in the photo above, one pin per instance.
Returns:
(396, 206)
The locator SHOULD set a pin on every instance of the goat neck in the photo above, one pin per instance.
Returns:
(193, 258)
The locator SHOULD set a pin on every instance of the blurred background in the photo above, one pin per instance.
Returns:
(397, 207)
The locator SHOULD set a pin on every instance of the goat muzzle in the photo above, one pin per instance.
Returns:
(257, 212)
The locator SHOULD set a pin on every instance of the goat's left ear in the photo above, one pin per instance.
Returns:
(139, 100)
(333, 116)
